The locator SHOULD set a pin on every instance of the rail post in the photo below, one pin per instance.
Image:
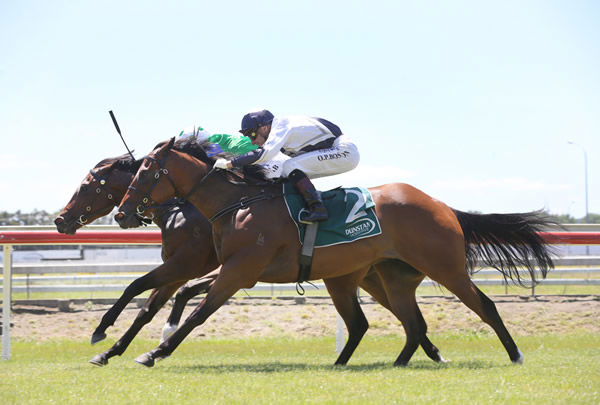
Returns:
(6, 301)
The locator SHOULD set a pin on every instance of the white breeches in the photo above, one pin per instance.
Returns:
(274, 167)
(343, 156)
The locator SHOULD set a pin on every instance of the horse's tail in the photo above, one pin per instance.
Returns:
(509, 243)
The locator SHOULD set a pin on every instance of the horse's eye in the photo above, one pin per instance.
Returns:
(83, 188)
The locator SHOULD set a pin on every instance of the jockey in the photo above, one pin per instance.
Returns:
(231, 145)
(316, 148)
(218, 143)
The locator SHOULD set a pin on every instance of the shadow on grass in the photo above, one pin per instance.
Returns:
(277, 367)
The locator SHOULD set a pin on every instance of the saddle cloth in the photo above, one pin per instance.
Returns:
(351, 215)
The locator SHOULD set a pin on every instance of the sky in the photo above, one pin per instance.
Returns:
(473, 102)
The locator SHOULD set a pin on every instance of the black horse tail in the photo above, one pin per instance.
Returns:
(509, 243)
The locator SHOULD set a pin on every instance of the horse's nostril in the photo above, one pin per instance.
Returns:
(59, 220)
(119, 216)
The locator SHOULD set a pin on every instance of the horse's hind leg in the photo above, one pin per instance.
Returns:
(184, 294)
(343, 294)
(430, 349)
(372, 284)
(472, 297)
(153, 304)
(400, 281)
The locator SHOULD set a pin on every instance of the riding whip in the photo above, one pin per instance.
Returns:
(114, 120)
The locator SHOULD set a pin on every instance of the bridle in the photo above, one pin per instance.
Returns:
(147, 203)
(83, 218)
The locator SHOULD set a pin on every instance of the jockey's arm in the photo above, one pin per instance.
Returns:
(248, 158)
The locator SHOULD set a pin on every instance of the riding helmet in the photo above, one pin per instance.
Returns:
(256, 119)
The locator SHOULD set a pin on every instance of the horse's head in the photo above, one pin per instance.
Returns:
(152, 185)
(99, 192)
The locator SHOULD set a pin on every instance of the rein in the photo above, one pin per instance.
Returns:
(195, 188)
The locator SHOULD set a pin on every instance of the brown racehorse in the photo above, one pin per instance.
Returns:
(187, 247)
(258, 241)
(187, 252)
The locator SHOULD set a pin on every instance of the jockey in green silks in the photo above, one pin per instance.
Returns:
(231, 146)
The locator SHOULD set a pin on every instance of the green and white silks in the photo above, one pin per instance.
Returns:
(223, 144)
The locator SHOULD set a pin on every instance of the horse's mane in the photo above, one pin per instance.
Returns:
(195, 150)
(123, 162)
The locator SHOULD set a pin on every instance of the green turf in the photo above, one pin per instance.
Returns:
(557, 369)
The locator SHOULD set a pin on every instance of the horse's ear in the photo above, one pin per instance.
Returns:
(171, 143)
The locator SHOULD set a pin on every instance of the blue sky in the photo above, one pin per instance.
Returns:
(472, 102)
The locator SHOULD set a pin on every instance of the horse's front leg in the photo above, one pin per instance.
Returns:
(162, 275)
(154, 303)
(240, 271)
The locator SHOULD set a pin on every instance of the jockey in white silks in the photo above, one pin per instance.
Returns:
(316, 147)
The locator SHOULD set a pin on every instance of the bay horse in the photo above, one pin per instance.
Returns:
(187, 248)
(421, 236)
(187, 253)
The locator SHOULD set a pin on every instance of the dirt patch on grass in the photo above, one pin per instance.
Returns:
(523, 315)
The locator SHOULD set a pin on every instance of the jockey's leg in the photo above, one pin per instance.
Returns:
(316, 209)
(341, 157)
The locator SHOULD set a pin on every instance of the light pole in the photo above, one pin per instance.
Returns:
(585, 162)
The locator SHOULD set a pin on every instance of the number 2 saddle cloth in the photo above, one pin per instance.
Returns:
(351, 214)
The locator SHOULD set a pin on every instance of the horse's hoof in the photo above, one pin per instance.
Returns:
(442, 360)
(97, 337)
(145, 360)
(519, 360)
(99, 360)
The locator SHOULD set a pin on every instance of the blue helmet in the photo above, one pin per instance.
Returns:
(256, 119)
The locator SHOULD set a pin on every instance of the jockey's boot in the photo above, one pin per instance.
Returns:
(316, 208)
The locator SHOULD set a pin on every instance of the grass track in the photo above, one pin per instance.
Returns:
(557, 369)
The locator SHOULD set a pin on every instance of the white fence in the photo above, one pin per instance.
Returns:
(45, 276)
(92, 277)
